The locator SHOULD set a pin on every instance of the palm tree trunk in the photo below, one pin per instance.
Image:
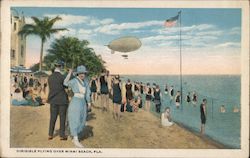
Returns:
(41, 56)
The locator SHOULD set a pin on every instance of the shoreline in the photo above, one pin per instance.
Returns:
(205, 137)
(29, 127)
(217, 143)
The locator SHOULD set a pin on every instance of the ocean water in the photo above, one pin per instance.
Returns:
(218, 90)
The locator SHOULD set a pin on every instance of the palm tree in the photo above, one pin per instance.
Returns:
(42, 28)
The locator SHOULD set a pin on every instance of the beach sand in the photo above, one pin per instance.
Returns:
(29, 128)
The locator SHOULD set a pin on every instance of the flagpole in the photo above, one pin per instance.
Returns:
(180, 63)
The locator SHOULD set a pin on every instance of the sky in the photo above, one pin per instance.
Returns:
(211, 38)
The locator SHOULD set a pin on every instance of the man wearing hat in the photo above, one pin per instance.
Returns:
(58, 100)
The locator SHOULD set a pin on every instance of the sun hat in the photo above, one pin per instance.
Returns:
(81, 70)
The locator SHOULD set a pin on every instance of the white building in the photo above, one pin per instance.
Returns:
(18, 42)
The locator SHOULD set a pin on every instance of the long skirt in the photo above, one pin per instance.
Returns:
(77, 115)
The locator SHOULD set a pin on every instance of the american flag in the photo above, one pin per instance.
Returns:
(171, 21)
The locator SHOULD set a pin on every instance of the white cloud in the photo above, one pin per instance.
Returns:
(93, 22)
(68, 19)
(211, 33)
(235, 31)
(205, 27)
(139, 31)
(106, 30)
(107, 21)
(116, 28)
(158, 38)
(70, 32)
(85, 31)
(28, 20)
(203, 35)
(187, 29)
(229, 44)
(165, 38)
(173, 40)
(97, 22)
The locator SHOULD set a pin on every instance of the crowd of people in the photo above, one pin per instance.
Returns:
(27, 90)
(110, 90)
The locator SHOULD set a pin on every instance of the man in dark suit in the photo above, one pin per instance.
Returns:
(58, 100)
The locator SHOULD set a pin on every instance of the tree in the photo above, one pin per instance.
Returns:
(49, 61)
(34, 67)
(42, 28)
(74, 52)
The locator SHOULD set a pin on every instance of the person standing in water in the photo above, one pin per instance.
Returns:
(104, 91)
(178, 99)
(203, 114)
(148, 97)
(166, 89)
(171, 93)
(194, 99)
(222, 109)
(77, 111)
(188, 98)
(157, 98)
(117, 97)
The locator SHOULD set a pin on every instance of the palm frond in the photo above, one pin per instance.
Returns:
(52, 21)
(26, 28)
(57, 30)
(36, 20)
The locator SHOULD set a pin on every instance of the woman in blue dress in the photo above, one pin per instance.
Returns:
(77, 111)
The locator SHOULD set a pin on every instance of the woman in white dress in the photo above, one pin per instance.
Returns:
(166, 118)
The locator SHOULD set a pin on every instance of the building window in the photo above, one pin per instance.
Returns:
(13, 54)
(14, 26)
(22, 51)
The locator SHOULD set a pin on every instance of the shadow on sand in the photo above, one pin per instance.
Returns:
(86, 132)
(91, 116)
